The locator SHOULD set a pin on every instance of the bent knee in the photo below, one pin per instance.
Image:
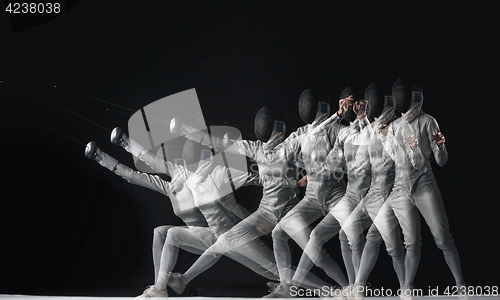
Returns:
(413, 245)
(171, 239)
(446, 245)
(396, 250)
(160, 234)
(374, 237)
(214, 254)
(343, 236)
(279, 233)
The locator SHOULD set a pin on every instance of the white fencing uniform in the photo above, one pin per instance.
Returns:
(344, 151)
(198, 193)
(382, 181)
(277, 177)
(322, 192)
(425, 192)
(399, 204)
(279, 193)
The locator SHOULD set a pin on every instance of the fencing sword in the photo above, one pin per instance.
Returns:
(150, 118)
(54, 105)
(47, 126)
(146, 120)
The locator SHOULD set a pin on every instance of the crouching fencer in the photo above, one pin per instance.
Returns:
(348, 141)
(322, 193)
(194, 187)
(277, 177)
(425, 193)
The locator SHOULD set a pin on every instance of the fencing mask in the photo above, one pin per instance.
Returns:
(193, 153)
(349, 115)
(402, 92)
(263, 125)
(267, 129)
(375, 98)
(308, 106)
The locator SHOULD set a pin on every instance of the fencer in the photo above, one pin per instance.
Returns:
(424, 189)
(185, 209)
(382, 109)
(322, 191)
(219, 215)
(277, 176)
(401, 144)
(344, 152)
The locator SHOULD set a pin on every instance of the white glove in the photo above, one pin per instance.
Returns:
(119, 137)
(177, 127)
(93, 152)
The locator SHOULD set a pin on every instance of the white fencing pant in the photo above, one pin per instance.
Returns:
(372, 203)
(197, 240)
(338, 221)
(352, 222)
(427, 198)
(400, 206)
(296, 225)
(242, 241)
(159, 253)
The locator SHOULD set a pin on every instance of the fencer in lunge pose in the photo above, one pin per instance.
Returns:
(425, 193)
(277, 177)
(180, 198)
(219, 212)
(322, 192)
(348, 141)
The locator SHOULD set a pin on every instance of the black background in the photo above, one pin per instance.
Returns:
(70, 227)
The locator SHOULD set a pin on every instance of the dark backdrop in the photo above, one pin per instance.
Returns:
(71, 227)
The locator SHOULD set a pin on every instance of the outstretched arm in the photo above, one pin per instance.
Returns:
(156, 163)
(244, 147)
(153, 182)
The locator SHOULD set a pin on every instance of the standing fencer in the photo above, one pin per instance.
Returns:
(201, 181)
(277, 177)
(424, 190)
(382, 109)
(344, 152)
(401, 144)
(322, 191)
